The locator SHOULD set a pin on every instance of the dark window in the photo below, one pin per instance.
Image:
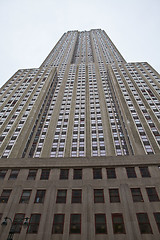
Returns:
(157, 218)
(32, 174)
(144, 224)
(18, 222)
(3, 173)
(114, 195)
(14, 174)
(98, 196)
(5, 196)
(111, 173)
(118, 224)
(75, 223)
(64, 173)
(25, 196)
(100, 224)
(131, 172)
(58, 224)
(45, 174)
(40, 196)
(76, 196)
(61, 196)
(77, 174)
(136, 195)
(97, 173)
(152, 194)
(34, 223)
(144, 172)
(1, 215)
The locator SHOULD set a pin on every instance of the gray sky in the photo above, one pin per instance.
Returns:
(31, 28)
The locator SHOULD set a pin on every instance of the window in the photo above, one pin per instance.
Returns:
(100, 224)
(61, 196)
(40, 196)
(97, 173)
(98, 196)
(143, 222)
(144, 172)
(136, 195)
(3, 173)
(77, 174)
(34, 223)
(75, 223)
(114, 195)
(64, 173)
(76, 196)
(58, 224)
(45, 174)
(5, 196)
(118, 224)
(131, 172)
(14, 174)
(157, 218)
(25, 196)
(152, 194)
(32, 174)
(111, 173)
(1, 215)
(18, 222)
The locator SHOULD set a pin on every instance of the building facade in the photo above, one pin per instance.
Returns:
(80, 145)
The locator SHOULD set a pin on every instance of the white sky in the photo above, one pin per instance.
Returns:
(30, 29)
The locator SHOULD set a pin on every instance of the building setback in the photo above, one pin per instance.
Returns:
(80, 145)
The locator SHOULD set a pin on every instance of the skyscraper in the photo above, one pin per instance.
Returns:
(80, 144)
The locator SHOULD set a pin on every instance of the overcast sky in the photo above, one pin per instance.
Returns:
(30, 29)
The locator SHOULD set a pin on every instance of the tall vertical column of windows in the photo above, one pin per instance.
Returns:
(116, 54)
(76, 54)
(89, 48)
(59, 141)
(79, 128)
(115, 123)
(147, 94)
(140, 129)
(22, 121)
(97, 142)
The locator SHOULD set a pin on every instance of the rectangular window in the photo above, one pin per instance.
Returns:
(58, 224)
(97, 173)
(18, 222)
(1, 215)
(144, 172)
(32, 174)
(61, 196)
(5, 196)
(131, 172)
(40, 196)
(157, 218)
(114, 195)
(77, 196)
(25, 196)
(143, 222)
(14, 174)
(3, 173)
(75, 223)
(111, 173)
(136, 195)
(64, 173)
(45, 174)
(100, 224)
(98, 196)
(118, 224)
(77, 173)
(34, 223)
(152, 194)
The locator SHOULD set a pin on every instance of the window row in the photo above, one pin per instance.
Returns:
(77, 173)
(76, 196)
(76, 220)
